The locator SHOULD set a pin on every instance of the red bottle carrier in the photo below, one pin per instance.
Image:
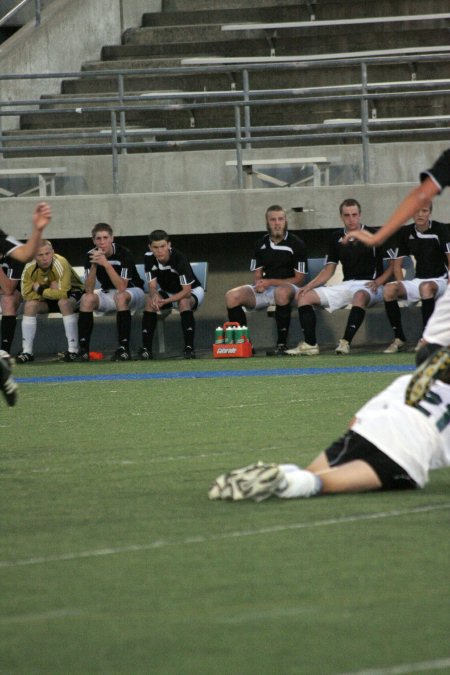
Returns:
(242, 350)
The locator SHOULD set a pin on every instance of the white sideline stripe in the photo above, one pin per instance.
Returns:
(438, 664)
(201, 539)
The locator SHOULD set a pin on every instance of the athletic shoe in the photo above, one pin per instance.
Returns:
(304, 349)
(189, 353)
(24, 357)
(145, 354)
(280, 350)
(8, 385)
(396, 346)
(420, 344)
(70, 357)
(83, 355)
(343, 347)
(256, 481)
(121, 354)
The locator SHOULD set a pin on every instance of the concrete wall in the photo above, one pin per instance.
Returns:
(71, 31)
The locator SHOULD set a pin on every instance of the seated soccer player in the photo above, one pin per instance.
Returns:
(121, 290)
(392, 443)
(171, 283)
(49, 284)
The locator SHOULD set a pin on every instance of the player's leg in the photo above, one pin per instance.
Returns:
(307, 317)
(89, 303)
(9, 306)
(122, 301)
(437, 330)
(238, 298)
(392, 292)
(360, 301)
(428, 291)
(187, 307)
(67, 307)
(148, 326)
(283, 296)
(29, 325)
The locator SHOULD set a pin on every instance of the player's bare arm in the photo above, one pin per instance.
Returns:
(98, 257)
(7, 286)
(41, 217)
(321, 279)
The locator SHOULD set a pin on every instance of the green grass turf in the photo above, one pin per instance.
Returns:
(114, 560)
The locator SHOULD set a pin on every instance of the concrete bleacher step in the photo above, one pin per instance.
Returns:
(297, 12)
(323, 8)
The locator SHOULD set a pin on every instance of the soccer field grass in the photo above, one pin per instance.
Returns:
(114, 561)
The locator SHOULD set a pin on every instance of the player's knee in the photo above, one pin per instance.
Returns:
(390, 291)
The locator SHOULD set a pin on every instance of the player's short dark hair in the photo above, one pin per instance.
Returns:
(102, 227)
(349, 202)
(158, 235)
(275, 207)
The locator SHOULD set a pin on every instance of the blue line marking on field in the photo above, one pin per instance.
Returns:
(265, 372)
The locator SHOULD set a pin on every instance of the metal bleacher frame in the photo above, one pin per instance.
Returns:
(243, 135)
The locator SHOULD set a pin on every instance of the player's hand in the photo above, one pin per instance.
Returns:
(372, 285)
(42, 216)
(363, 236)
(97, 257)
(261, 285)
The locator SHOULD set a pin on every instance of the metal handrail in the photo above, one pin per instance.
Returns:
(18, 7)
(240, 136)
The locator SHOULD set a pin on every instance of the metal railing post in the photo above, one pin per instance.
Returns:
(365, 124)
(237, 125)
(38, 12)
(115, 157)
(247, 120)
(122, 118)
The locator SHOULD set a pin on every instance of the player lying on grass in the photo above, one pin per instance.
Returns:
(392, 443)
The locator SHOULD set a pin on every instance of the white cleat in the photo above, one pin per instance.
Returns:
(396, 346)
(257, 482)
(343, 347)
(303, 349)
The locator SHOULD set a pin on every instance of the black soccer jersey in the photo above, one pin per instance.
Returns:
(282, 260)
(123, 263)
(7, 243)
(428, 248)
(173, 274)
(12, 268)
(440, 171)
(359, 261)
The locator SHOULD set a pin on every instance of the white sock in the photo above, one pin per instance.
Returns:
(71, 328)
(29, 324)
(297, 483)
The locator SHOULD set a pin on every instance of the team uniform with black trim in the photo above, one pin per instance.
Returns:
(277, 261)
(437, 330)
(430, 249)
(360, 264)
(12, 268)
(123, 263)
(172, 275)
(7, 243)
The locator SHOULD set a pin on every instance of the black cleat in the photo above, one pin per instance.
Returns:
(145, 354)
(121, 354)
(189, 353)
(8, 385)
(24, 357)
(280, 350)
(70, 357)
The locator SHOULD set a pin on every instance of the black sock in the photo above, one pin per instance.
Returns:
(8, 330)
(149, 322)
(188, 327)
(354, 321)
(307, 317)
(427, 310)
(394, 316)
(237, 314)
(283, 320)
(123, 319)
(85, 326)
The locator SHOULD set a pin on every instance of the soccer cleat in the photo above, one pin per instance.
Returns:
(121, 354)
(343, 347)
(145, 354)
(304, 349)
(396, 346)
(257, 482)
(8, 385)
(280, 350)
(435, 367)
(189, 353)
(70, 357)
(24, 357)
